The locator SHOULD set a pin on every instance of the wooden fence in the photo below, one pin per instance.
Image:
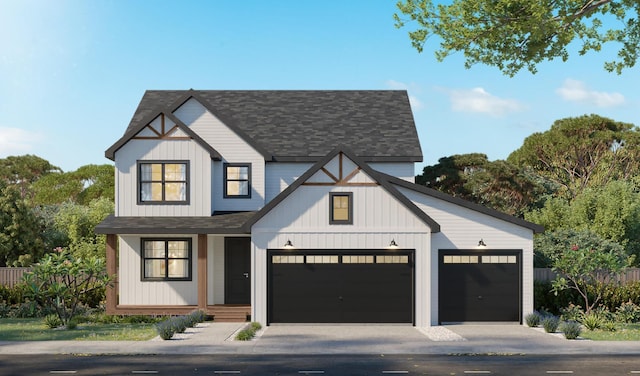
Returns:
(11, 276)
(545, 274)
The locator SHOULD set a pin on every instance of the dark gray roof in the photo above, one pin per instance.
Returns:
(291, 125)
(228, 223)
(461, 202)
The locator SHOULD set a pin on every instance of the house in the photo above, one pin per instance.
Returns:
(300, 207)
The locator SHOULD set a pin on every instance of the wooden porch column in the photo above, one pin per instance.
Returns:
(112, 269)
(202, 271)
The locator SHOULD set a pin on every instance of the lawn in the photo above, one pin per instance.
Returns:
(36, 330)
(624, 332)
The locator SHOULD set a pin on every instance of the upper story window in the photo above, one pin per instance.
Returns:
(166, 259)
(237, 180)
(165, 182)
(341, 208)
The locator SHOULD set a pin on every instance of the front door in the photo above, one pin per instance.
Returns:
(237, 256)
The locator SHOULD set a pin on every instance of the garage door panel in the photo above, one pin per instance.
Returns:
(488, 289)
(350, 292)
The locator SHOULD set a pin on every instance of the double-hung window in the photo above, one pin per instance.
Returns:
(166, 259)
(163, 182)
(237, 180)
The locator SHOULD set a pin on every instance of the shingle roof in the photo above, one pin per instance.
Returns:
(229, 223)
(291, 125)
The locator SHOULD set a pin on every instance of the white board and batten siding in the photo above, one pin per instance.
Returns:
(462, 228)
(127, 193)
(233, 149)
(303, 218)
(134, 291)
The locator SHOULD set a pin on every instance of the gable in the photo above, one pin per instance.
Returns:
(341, 170)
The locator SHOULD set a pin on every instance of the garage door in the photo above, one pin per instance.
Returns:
(479, 286)
(340, 287)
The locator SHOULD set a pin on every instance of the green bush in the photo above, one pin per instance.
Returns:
(572, 313)
(179, 324)
(592, 321)
(628, 312)
(249, 332)
(72, 324)
(550, 324)
(571, 329)
(12, 295)
(532, 319)
(52, 321)
(609, 326)
(165, 329)
(256, 326)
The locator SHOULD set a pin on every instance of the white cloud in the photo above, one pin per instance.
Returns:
(479, 100)
(17, 141)
(577, 91)
(416, 104)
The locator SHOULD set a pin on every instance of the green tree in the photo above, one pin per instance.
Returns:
(581, 152)
(22, 171)
(497, 184)
(82, 186)
(78, 222)
(19, 227)
(60, 281)
(587, 267)
(514, 34)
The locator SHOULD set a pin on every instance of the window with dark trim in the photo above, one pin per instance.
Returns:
(167, 259)
(163, 182)
(341, 208)
(237, 180)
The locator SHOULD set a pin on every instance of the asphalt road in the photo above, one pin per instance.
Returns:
(265, 365)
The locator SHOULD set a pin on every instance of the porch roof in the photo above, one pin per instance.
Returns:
(218, 223)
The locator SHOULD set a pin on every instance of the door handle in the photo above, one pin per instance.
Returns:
(246, 275)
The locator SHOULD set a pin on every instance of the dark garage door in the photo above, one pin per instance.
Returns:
(340, 287)
(479, 286)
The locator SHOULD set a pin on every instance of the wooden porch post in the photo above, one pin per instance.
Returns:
(202, 271)
(112, 291)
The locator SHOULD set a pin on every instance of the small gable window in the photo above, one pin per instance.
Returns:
(341, 208)
(237, 180)
(163, 182)
(166, 259)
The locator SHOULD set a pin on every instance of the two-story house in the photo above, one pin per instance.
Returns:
(301, 207)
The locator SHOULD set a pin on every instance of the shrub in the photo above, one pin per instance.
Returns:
(592, 321)
(256, 326)
(609, 326)
(179, 324)
(199, 315)
(28, 309)
(52, 321)
(165, 329)
(249, 332)
(628, 312)
(72, 324)
(532, 319)
(572, 313)
(550, 324)
(571, 329)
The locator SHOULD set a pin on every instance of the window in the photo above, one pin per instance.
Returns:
(163, 182)
(166, 259)
(237, 180)
(341, 208)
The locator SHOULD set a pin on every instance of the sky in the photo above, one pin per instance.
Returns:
(73, 71)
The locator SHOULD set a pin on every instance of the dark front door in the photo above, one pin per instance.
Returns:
(237, 256)
(335, 286)
(479, 286)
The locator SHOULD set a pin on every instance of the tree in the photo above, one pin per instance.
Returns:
(82, 186)
(19, 228)
(587, 265)
(498, 184)
(60, 281)
(581, 152)
(513, 34)
(22, 171)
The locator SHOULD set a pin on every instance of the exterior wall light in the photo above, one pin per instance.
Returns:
(393, 244)
(481, 244)
(288, 244)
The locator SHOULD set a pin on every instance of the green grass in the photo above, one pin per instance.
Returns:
(624, 332)
(36, 330)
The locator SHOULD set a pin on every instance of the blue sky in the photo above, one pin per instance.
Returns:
(72, 72)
